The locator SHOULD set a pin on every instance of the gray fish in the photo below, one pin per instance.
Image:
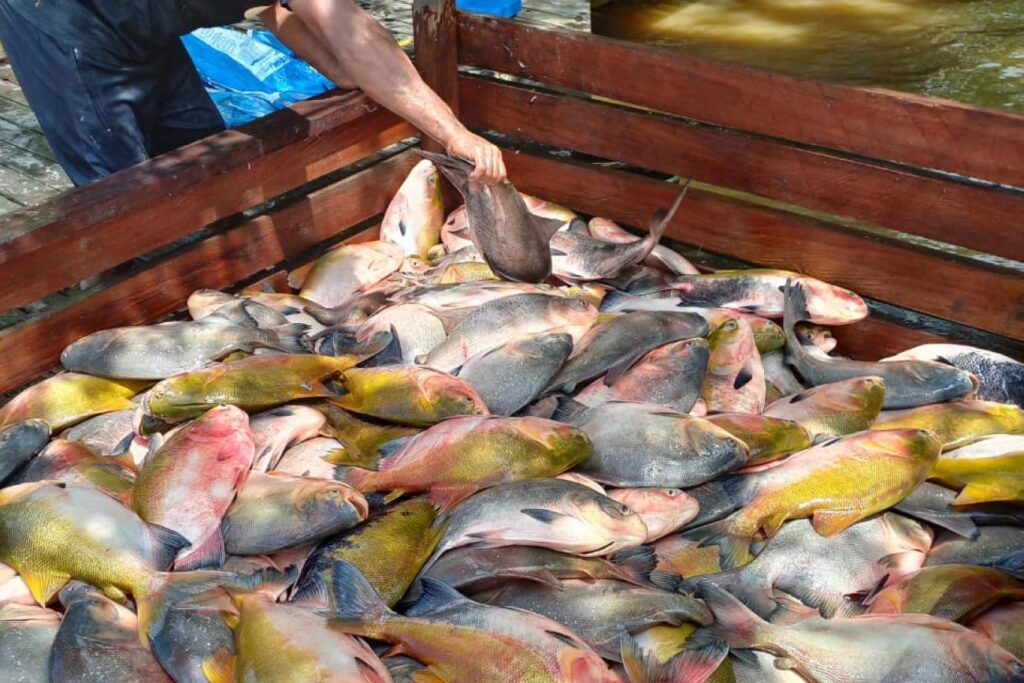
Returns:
(107, 434)
(497, 321)
(908, 384)
(578, 256)
(98, 642)
(514, 374)
(878, 648)
(416, 330)
(19, 442)
(823, 571)
(194, 634)
(1001, 547)
(933, 503)
(1001, 377)
(512, 240)
(26, 638)
(624, 339)
(638, 444)
(600, 612)
(472, 570)
(160, 351)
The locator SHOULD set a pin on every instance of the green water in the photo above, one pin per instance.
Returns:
(967, 50)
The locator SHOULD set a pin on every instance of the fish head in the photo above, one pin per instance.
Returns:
(820, 336)
(545, 209)
(573, 313)
(919, 448)
(715, 444)
(203, 302)
(906, 534)
(663, 510)
(727, 338)
(551, 347)
(618, 524)
(325, 503)
(831, 305)
(688, 355)
(579, 664)
(567, 445)
(860, 395)
(448, 396)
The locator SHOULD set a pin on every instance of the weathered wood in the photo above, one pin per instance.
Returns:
(44, 170)
(971, 293)
(911, 129)
(149, 205)
(875, 338)
(218, 262)
(941, 209)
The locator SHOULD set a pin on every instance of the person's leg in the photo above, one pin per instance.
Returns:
(90, 136)
(186, 112)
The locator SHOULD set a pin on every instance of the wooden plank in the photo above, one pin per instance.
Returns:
(876, 338)
(149, 205)
(21, 188)
(44, 170)
(965, 215)
(26, 138)
(971, 293)
(218, 262)
(911, 129)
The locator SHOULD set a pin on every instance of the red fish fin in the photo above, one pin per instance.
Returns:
(447, 497)
(360, 479)
(831, 522)
(208, 555)
(220, 667)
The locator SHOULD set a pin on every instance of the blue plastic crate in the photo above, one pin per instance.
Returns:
(497, 8)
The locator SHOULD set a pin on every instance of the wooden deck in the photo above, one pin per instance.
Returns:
(29, 173)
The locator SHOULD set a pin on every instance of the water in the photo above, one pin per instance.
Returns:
(967, 50)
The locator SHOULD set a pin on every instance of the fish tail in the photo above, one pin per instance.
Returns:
(662, 218)
(734, 625)
(733, 547)
(758, 599)
(635, 564)
(355, 600)
(290, 338)
(360, 479)
(691, 666)
(162, 589)
(794, 308)
(455, 170)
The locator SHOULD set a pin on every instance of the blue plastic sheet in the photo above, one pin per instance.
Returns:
(252, 74)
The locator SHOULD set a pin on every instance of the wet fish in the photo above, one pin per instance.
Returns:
(989, 470)
(275, 430)
(1004, 625)
(494, 323)
(624, 339)
(455, 459)
(958, 592)
(19, 442)
(514, 374)
(455, 233)
(417, 331)
(1001, 378)
(660, 257)
(311, 458)
(408, 395)
(957, 423)
(26, 639)
(662, 510)
(363, 439)
(933, 503)
(72, 462)
(512, 240)
(735, 379)
(779, 376)
(273, 512)
(108, 434)
(12, 589)
(995, 546)
(470, 295)
(833, 409)
(767, 438)
(685, 557)
(68, 398)
(194, 636)
(637, 444)
(341, 273)
(908, 384)
(188, 484)
(414, 217)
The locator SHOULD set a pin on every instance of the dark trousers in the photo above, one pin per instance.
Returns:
(99, 112)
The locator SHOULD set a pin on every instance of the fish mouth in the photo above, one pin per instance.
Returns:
(359, 502)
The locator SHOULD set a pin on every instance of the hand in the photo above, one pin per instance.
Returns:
(489, 168)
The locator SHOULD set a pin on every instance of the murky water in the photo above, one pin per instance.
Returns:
(968, 50)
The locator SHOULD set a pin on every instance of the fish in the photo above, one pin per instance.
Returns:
(98, 642)
(188, 484)
(995, 546)
(389, 550)
(958, 592)
(275, 430)
(671, 376)
(735, 379)
(545, 209)
(660, 257)
(1000, 377)
(624, 339)
(107, 434)
(66, 399)
(473, 570)
(464, 455)
(837, 484)
(600, 612)
(892, 648)
(446, 297)
(833, 409)
(549, 513)
(345, 271)
(767, 438)
(685, 557)
(455, 234)
(779, 377)
(462, 640)
(637, 444)
(407, 395)
(662, 510)
(27, 634)
(195, 636)
(363, 440)
(512, 240)
(908, 384)
(72, 462)
(13, 590)
(1003, 624)
(989, 470)
(514, 374)
(492, 324)
(254, 383)
(311, 458)
(576, 256)
(415, 214)
(823, 572)
(957, 423)
(19, 442)
(417, 330)
(932, 503)
(154, 352)
(93, 538)
(274, 512)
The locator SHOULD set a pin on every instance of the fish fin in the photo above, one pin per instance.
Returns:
(389, 449)
(789, 610)
(454, 169)
(542, 515)
(733, 549)
(220, 666)
(156, 440)
(153, 599)
(122, 447)
(538, 576)
(959, 523)
(359, 478)
(795, 308)
(743, 377)
(167, 544)
(696, 665)
(829, 605)
(297, 278)
(772, 524)
(208, 555)
(354, 597)
(569, 411)
(313, 593)
(669, 581)
(445, 498)
(640, 666)
(757, 598)
(830, 522)
(268, 581)
(44, 586)
(547, 227)
(434, 597)
(389, 355)
(985, 492)
(1012, 563)
(291, 338)
(637, 564)
(661, 219)
(426, 676)
(393, 496)
(735, 624)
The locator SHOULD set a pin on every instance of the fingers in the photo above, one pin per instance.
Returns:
(489, 168)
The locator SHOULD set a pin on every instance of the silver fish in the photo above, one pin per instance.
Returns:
(19, 442)
(995, 546)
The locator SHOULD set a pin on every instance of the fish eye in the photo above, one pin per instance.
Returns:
(731, 326)
(333, 493)
(672, 493)
(624, 509)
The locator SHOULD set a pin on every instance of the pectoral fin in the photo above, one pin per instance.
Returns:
(831, 522)
(43, 586)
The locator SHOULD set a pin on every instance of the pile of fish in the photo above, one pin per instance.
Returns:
(511, 444)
